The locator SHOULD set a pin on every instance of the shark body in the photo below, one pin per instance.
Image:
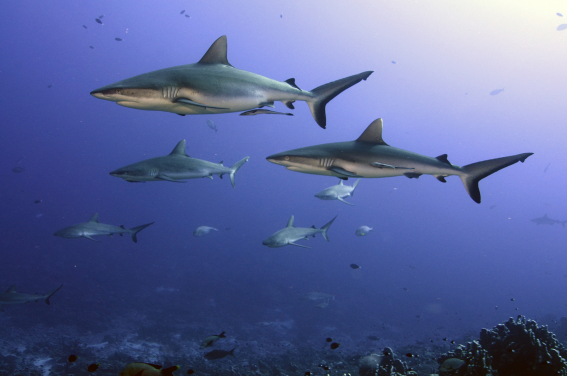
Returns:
(213, 86)
(545, 220)
(370, 157)
(94, 228)
(175, 167)
(338, 192)
(11, 297)
(290, 234)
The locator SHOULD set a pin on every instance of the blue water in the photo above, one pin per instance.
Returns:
(436, 265)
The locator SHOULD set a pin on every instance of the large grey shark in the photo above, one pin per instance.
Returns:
(174, 167)
(290, 234)
(370, 157)
(213, 86)
(94, 228)
(545, 220)
(11, 297)
(338, 192)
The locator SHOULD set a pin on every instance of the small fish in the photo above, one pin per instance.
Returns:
(329, 340)
(98, 21)
(39, 215)
(188, 16)
(363, 230)
(393, 62)
(101, 16)
(203, 230)
(373, 338)
(546, 167)
(405, 288)
(91, 47)
(210, 340)
(281, 15)
(512, 299)
(354, 266)
(306, 373)
(212, 125)
(325, 367)
(190, 371)
(72, 358)
(147, 369)
(49, 86)
(118, 39)
(37, 201)
(410, 355)
(85, 27)
(451, 364)
(496, 91)
(262, 111)
(183, 11)
(561, 27)
(335, 345)
(219, 354)
(559, 14)
(93, 367)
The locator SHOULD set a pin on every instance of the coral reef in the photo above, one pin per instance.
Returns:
(477, 361)
(383, 365)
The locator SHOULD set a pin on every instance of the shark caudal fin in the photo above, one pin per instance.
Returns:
(134, 231)
(354, 187)
(235, 168)
(324, 93)
(478, 171)
(326, 227)
(50, 294)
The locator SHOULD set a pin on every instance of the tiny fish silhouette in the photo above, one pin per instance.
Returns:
(496, 92)
(561, 27)
(183, 11)
(98, 21)
(85, 26)
(118, 39)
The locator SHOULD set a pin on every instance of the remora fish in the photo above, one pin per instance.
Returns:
(338, 192)
(210, 340)
(12, 297)
(370, 157)
(213, 86)
(94, 228)
(545, 220)
(219, 354)
(290, 234)
(174, 167)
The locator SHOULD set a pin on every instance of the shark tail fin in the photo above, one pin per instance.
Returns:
(354, 187)
(235, 168)
(324, 93)
(50, 294)
(475, 172)
(134, 231)
(326, 227)
(231, 352)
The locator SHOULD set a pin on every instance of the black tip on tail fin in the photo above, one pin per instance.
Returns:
(325, 93)
(475, 172)
(50, 294)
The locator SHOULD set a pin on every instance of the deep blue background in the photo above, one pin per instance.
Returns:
(457, 260)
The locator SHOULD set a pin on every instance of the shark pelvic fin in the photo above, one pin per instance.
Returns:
(94, 218)
(290, 222)
(441, 178)
(342, 171)
(298, 245)
(216, 54)
(189, 102)
(373, 133)
(179, 149)
(412, 175)
(289, 104)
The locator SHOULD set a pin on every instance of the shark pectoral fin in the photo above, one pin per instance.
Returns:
(88, 237)
(381, 165)
(167, 178)
(441, 178)
(189, 102)
(299, 245)
(289, 104)
(412, 175)
(346, 202)
(342, 171)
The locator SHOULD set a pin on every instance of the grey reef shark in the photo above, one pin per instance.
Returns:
(11, 297)
(174, 167)
(545, 220)
(370, 157)
(94, 228)
(338, 192)
(213, 86)
(290, 234)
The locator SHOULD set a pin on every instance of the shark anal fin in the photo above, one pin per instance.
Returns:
(342, 171)
(189, 102)
(299, 245)
(441, 179)
(291, 83)
(289, 104)
(412, 175)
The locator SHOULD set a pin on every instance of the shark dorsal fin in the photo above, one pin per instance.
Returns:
(373, 134)
(290, 222)
(291, 82)
(216, 54)
(179, 149)
(94, 218)
(443, 158)
(11, 288)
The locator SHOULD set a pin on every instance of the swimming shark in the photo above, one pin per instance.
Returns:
(338, 192)
(176, 166)
(545, 220)
(12, 297)
(370, 157)
(290, 234)
(213, 86)
(94, 228)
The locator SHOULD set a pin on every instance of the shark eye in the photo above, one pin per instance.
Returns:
(286, 158)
